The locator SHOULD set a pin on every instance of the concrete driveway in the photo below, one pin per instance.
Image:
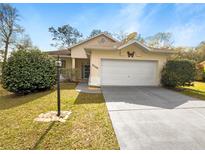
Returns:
(155, 118)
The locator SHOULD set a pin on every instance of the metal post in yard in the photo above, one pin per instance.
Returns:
(58, 65)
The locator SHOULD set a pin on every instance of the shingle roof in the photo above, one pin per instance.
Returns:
(144, 46)
(88, 39)
(121, 45)
(63, 52)
(115, 45)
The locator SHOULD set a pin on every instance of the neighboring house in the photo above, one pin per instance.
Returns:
(103, 60)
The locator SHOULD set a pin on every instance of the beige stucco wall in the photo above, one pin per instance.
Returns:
(79, 52)
(68, 62)
(96, 56)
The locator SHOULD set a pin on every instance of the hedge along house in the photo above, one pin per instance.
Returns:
(103, 60)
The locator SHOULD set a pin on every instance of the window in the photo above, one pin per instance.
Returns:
(86, 71)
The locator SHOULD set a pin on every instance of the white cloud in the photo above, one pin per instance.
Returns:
(188, 28)
(134, 18)
(186, 35)
(130, 17)
(127, 18)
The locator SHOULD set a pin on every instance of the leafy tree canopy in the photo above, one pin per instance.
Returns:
(65, 36)
(197, 54)
(95, 32)
(160, 40)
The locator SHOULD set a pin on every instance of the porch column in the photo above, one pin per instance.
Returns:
(73, 70)
(73, 63)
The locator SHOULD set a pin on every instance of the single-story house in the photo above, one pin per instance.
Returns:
(103, 60)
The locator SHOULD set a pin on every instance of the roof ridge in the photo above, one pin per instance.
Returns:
(90, 38)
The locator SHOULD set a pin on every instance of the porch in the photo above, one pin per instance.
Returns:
(81, 67)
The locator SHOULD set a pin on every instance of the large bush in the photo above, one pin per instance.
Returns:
(199, 72)
(28, 71)
(203, 77)
(178, 73)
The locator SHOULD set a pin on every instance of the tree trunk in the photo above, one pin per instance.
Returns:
(6, 52)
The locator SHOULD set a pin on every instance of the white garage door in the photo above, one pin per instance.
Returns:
(128, 72)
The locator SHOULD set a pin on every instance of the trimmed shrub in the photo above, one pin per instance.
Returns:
(28, 71)
(178, 73)
(199, 73)
(1, 63)
(203, 77)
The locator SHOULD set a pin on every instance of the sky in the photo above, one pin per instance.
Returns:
(185, 21)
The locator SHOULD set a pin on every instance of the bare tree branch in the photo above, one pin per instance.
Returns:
(9, 27)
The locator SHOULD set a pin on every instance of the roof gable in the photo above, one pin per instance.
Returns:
(94, 37)
(146, 48)
(135, 43)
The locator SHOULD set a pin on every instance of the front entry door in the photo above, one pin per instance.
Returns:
(86, 71)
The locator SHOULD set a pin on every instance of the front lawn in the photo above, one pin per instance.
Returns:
(89, 126)
(198, 90)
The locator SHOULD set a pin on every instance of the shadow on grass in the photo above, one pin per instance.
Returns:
(85, 98)
(43, 136)
(10, 100)
(67, 86)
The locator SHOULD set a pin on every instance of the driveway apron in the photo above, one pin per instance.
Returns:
(155, 118)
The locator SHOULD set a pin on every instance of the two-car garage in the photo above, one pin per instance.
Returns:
(129, 72)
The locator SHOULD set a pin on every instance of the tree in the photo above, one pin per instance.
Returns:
(95, 32)
(1, 52)
(121, 35)
(65, 36)
(28, 71)
(185, 53)
(1, 58)
(197, 54)
(24, 43)
(160, 40)
(1, 55)
(8, 26)
(140, 38)
(200, 52)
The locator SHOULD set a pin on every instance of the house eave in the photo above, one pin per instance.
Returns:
(147, 49)
(136, 43)
(63, 56)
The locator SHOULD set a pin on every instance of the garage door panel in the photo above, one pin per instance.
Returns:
(123, 72)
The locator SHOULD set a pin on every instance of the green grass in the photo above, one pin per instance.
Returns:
(89, 126)
(197, 91)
